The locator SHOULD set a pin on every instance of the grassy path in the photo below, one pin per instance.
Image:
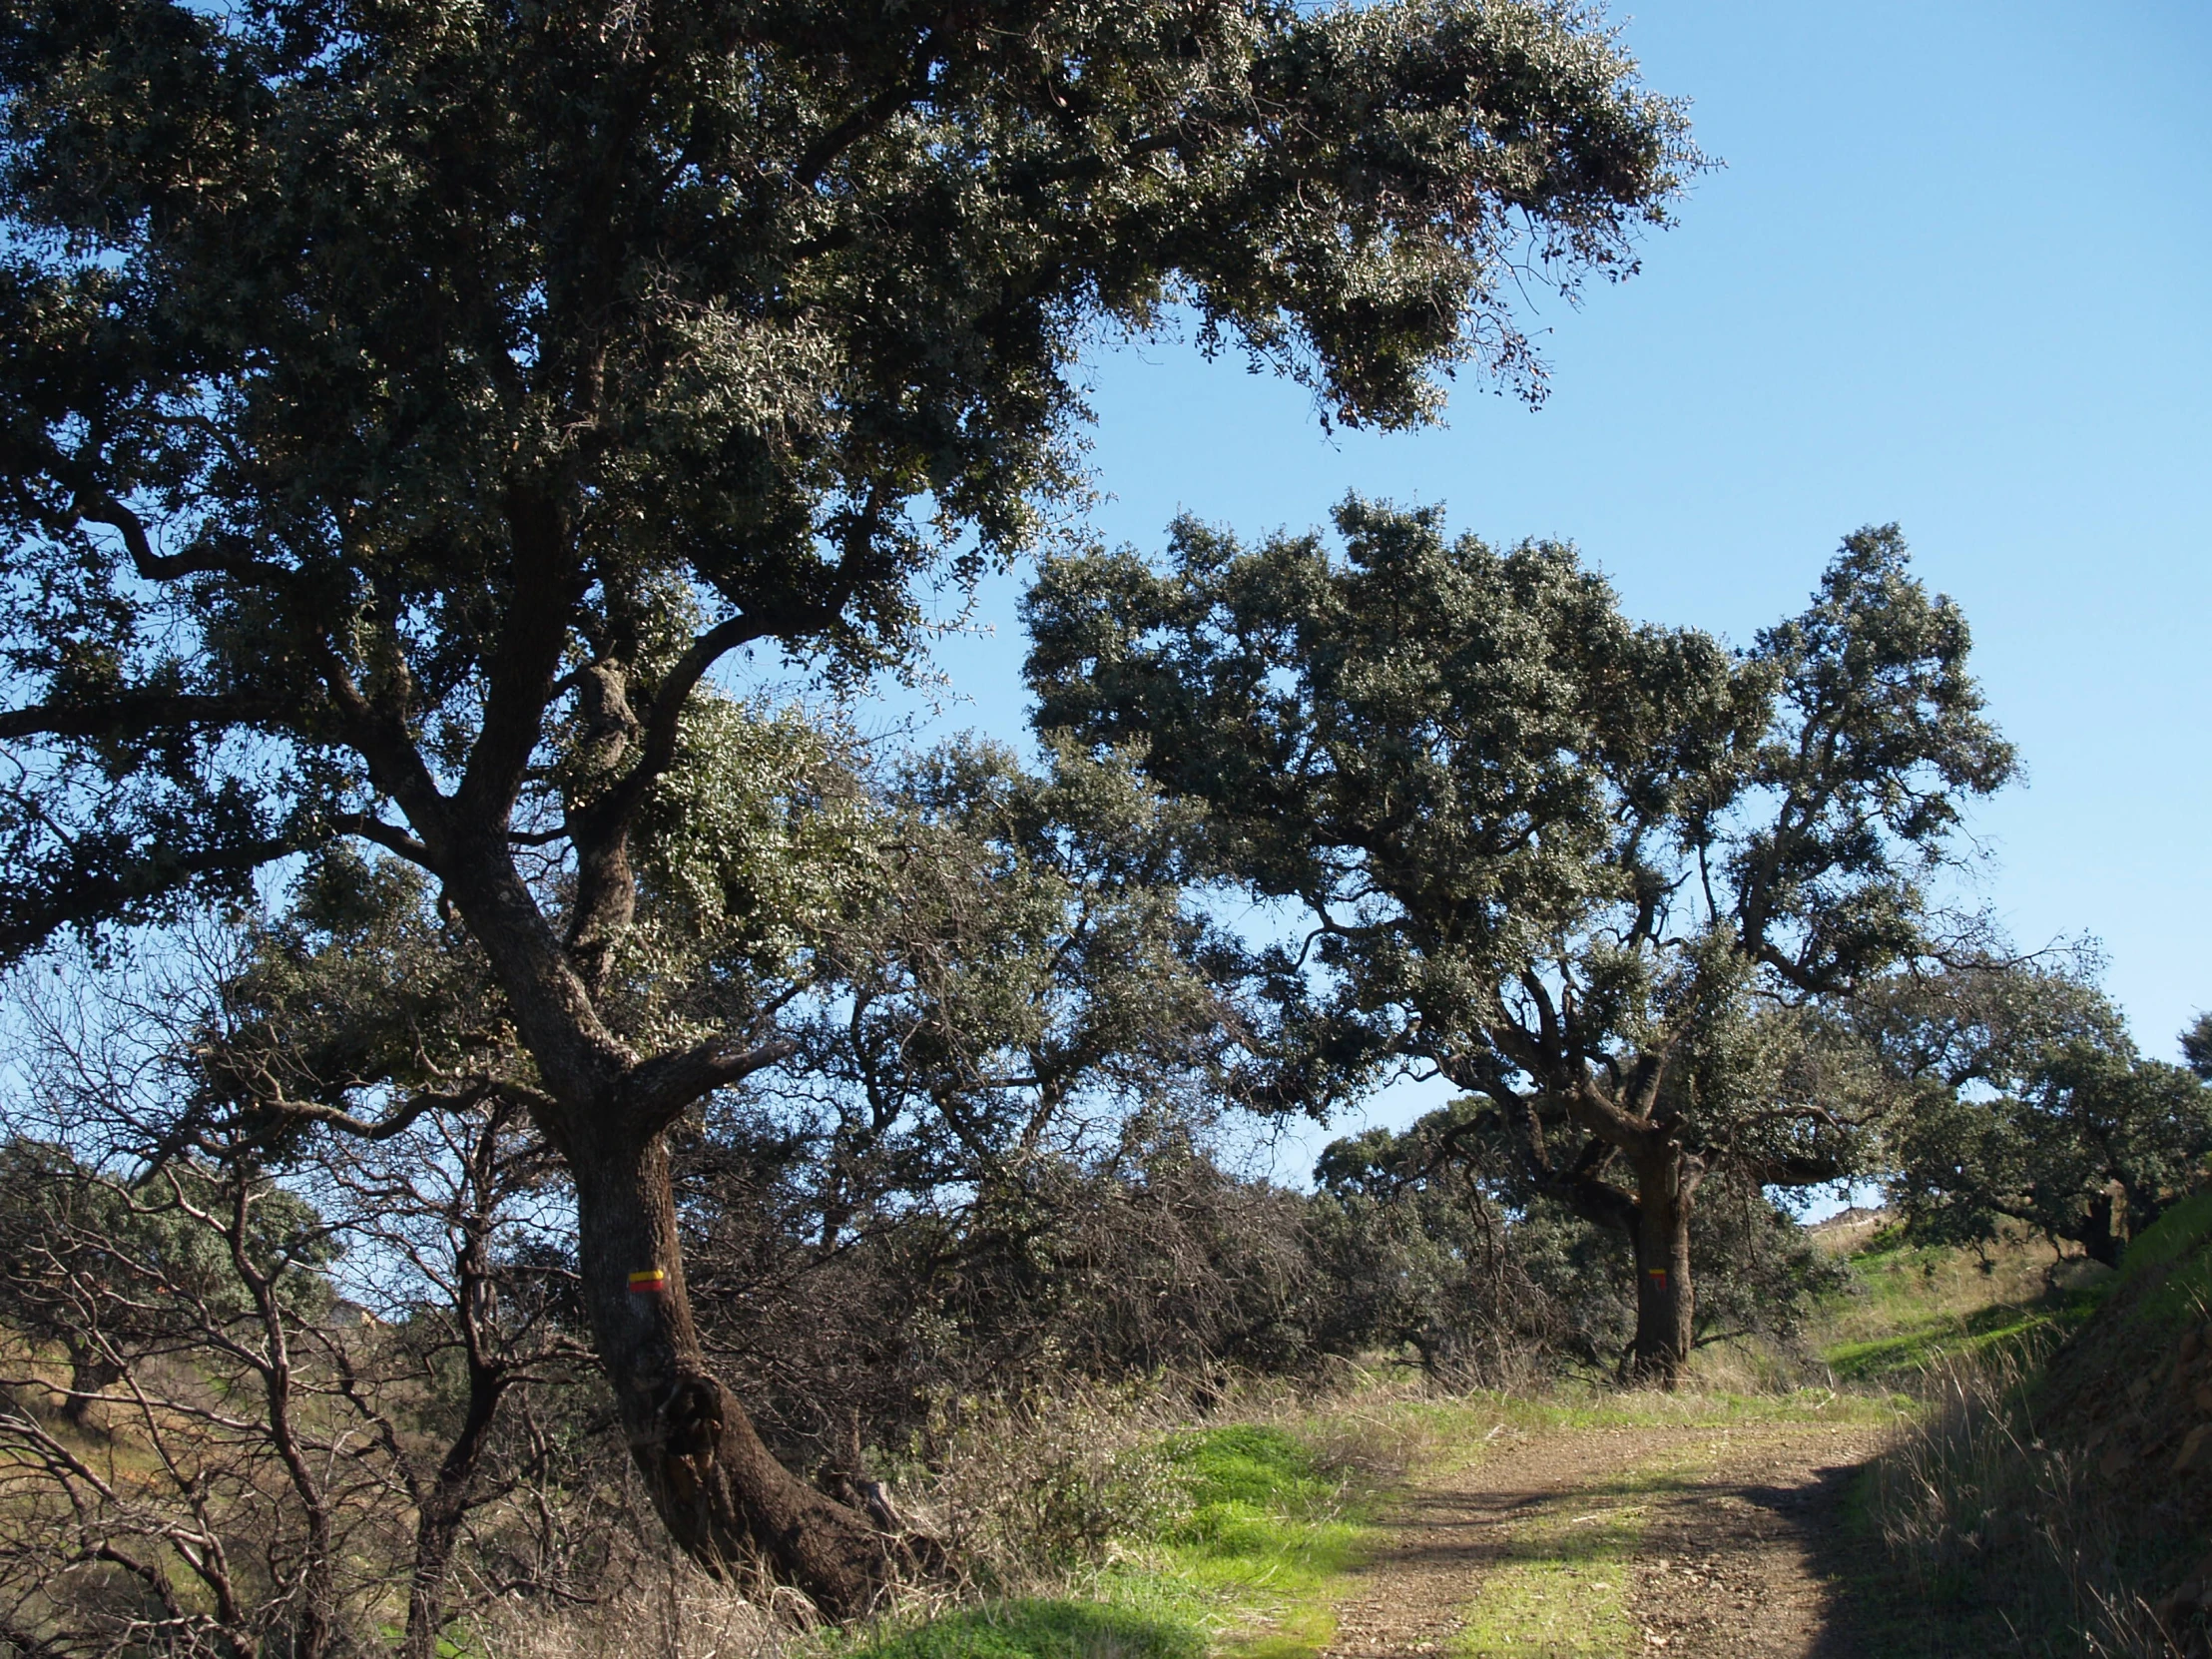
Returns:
(1595, 1524)
(1621, 1526)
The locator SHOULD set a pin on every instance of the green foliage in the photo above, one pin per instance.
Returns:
(1492, 1282)
(407, 409)
(1434, 1243)
(2196, 1047)
(101, 1263)
(1036, 946)
(368, 356)
(1597, 875)
(356, 993)
(760, 840)
(1474, 756)
(2027, 1101)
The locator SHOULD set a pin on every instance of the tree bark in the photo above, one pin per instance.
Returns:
(2104, 1229)
(90, 1372)
(723, 1497)
(1666, 1301)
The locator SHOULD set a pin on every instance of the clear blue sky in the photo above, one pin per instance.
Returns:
(1956, 273)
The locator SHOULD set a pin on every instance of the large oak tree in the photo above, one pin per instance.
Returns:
(405, 407)
(1584, 869)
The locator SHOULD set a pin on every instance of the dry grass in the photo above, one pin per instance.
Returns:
(1983, 1519)
(677, 1612)
(1025, 1489)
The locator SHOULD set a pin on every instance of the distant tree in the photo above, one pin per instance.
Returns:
(2196, 1047)
(1030, 978)
(1490, 1278)
(1595, 874)
(2025, 1101)
(1016, 992)
(108, 1270)
(1439, 1245)
(405, 410)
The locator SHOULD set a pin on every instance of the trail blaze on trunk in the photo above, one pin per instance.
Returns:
(722, 1495)
(1666, 1301)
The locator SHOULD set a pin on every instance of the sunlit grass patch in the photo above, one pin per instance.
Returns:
(1913, 1307)
(1042, 1629)
(2174, 1246)
(1913, 1352)
(1563, 1589)
(1267, 1532)
(1246, 1570)
(1567, 1411)
(1246, 1468)
(1558, 1605)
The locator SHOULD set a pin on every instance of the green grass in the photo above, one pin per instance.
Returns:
(1247, 1570)
(1563, 1587)
(1886, 1359)
(1039, 1629)
(1913, 1305)
(1247, 1471)
(2175, 1246)
(1562, 1590)
(1266, 1536)
(1255, 1559)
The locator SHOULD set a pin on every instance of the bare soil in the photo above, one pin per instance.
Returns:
(1736, 1556)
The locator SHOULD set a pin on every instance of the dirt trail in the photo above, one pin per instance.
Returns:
(1718, 1529)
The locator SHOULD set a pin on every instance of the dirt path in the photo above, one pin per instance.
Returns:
(1695, 1540)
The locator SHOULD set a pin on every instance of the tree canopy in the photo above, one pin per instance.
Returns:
(2026, 1101)
(1589, 871)
(406, 409)
(373, 372)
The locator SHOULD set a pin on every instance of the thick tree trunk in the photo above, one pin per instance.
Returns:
(2104, 1233)
(723, 1497)
(1666, 1302)
(90, 1372)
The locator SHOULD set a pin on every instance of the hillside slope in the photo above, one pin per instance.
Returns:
(2131, 1392)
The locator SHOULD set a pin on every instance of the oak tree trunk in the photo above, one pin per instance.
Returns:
(2104, 1233)
(91, 1373)
(723, 1497)
(1666, 1302)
